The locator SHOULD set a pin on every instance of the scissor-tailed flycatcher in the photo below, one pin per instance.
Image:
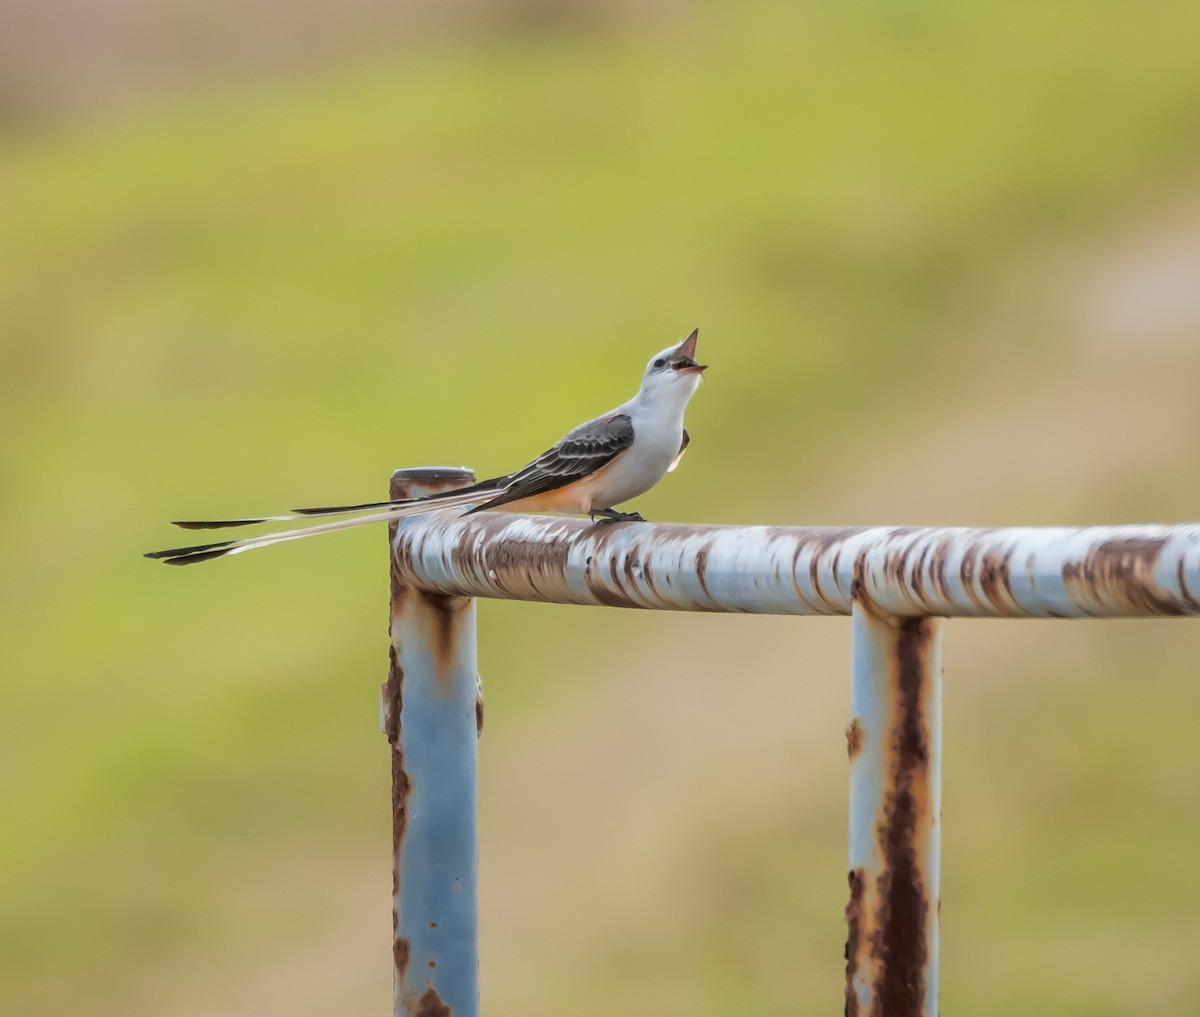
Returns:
(600, 464)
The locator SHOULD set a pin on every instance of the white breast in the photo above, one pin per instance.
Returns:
(657, 435)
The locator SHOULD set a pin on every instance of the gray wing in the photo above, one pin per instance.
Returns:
(580, 454)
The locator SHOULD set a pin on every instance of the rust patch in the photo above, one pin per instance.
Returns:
(505, 556)
(401, 788)
(606, 593)
(854, 916)
(994, 579)
(402, 954)
(823, 540)
(613, 590)
(858, 584)
(431, 1005)
(893, 567)
(899, 941)
(401, 785)
(1181, 577)
(614, 574)
(966, 572)
(478, 716)
(918, 575)
(400, 557)
(399, 588)
(607, 596)
(797, 551)
(1122, 571)
(814, 574)
(702, 570)
(393, 691)
(649, 577)
(393, 699)
(550, 566)
(854, 738)
(937, 570)
(447, 613)
(633, 567)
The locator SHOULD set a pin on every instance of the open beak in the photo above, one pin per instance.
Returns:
(683, 359)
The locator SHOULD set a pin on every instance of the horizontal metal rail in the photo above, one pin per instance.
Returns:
(1028, 572)
(897, 582)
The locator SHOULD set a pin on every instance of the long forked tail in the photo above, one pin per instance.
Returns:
(444, 499)
(207, 552)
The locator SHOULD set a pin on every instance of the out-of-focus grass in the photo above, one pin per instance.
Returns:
(270, 295)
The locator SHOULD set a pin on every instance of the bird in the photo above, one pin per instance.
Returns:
(602, 463)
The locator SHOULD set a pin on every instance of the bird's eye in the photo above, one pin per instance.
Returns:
(660, 363)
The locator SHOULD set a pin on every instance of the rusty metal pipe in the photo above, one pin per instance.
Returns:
(1043, 572)
(898, 582)
(895, 745)
(429, 717)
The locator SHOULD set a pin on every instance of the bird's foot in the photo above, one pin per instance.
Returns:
(609, 515)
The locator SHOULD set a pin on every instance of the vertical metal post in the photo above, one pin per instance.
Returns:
(895, 742)
(429, 717)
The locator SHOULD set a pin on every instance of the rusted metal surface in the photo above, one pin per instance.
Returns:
(853, 940)
(897, 582)
(895, 816)
(1046, 572)
(430, 1004)
(429, 717)
(854, 738)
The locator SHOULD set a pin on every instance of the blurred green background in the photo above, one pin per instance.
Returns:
(945, 260)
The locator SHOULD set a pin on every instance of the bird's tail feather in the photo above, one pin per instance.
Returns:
(340, 510)
(395, 510)
(221, 524)
(481, 490)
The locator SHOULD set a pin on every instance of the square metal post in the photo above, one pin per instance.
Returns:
(895, 743)
(429, 711)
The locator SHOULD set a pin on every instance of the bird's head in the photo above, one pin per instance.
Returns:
(674, 369)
